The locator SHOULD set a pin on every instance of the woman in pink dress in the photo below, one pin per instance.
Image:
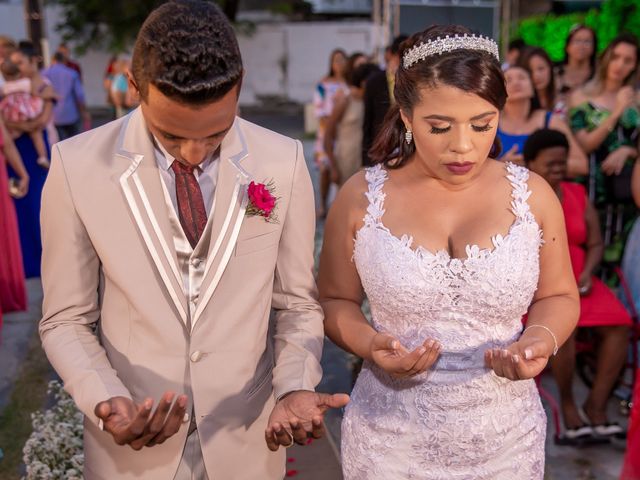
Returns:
(545, 153)
(13, 295)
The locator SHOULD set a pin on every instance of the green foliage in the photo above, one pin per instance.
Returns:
(551, 31)
(97, 24)
(112, 24)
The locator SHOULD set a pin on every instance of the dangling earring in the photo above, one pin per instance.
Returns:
(408, 137)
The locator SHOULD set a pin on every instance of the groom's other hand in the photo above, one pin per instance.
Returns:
(134, 425)
(299, 416)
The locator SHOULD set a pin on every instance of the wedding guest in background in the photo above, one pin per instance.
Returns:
(522, 115)
(378, 97)
(545, 153)
(579, 63)
(13, 295)
(540, 67)
(65, 51)
(605, 119)
(343, 136)
(123, 97)
(323, 97)
(107, 81)
(19, 104)
(631, 468)
(514, 51)
(7, 45)
(28, 207)
(70, 111)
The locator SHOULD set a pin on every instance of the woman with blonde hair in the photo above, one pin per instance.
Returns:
(605, 118)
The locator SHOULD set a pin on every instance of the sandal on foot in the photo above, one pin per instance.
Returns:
(610, 430)
(575, 436)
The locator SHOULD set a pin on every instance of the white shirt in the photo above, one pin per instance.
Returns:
(207, 176)
(191, 261)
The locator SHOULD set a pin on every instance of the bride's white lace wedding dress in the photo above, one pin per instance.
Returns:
(458, 420)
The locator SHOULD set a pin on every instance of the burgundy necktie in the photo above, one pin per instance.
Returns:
(193, 216)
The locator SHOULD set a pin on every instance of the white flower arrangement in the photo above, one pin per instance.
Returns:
(54, 450)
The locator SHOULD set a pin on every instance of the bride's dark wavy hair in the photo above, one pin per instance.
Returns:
(473, 71)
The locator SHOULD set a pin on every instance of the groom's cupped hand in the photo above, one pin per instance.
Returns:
(389, 354)
(135, 425)
(299, 416)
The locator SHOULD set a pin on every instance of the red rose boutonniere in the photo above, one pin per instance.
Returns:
(262, 202)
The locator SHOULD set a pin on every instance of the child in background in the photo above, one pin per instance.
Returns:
(19, 104)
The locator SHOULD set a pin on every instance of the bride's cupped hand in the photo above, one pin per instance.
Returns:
(521, 360)
(389, 354)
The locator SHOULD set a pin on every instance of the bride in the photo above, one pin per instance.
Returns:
(452, 248)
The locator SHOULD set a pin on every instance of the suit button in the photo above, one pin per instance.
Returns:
(195, 262)
(195, 356)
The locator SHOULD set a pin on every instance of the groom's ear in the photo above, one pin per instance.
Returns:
(132, 81)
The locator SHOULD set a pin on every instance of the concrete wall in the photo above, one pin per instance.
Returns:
(288, 59)
(281, 59)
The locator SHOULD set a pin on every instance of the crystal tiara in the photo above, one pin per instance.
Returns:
(448, 44)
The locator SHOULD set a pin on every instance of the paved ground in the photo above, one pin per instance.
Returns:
(320, 460)
(14, 339)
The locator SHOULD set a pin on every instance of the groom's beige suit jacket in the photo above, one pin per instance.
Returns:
(116, 320)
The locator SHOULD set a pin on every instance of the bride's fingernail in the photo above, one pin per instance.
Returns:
(422, 350)
(516, 359)
(505, 353)
(528, 354)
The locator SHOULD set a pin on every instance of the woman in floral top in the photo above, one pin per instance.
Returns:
(605, 119)
(604, 116)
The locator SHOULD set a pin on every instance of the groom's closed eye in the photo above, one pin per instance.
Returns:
(174, 138)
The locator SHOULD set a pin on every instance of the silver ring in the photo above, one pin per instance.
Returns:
(290, 436)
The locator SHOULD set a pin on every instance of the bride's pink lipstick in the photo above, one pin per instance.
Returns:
(459, 168)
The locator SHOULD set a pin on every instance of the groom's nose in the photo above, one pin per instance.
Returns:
(193, 152)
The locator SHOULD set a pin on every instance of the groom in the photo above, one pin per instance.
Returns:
(168, 236)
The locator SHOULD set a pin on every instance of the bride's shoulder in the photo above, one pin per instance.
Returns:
(542, 199)
(353, 192)
(351, 201)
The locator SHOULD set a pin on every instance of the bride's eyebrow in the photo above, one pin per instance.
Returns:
(451, 119)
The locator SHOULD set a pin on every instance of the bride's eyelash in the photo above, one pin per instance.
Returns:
(483, 128)
(437, 130)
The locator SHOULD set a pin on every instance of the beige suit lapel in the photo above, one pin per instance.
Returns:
(143, 192)
(228, 212)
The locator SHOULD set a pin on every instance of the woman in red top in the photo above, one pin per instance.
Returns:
(545, 153)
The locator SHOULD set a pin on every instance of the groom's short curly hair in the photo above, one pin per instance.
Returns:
(188, 50)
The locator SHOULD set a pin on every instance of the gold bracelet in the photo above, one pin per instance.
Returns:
(555, 340)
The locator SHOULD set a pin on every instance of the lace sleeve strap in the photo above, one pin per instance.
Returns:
(375, 177)
(518, 177)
